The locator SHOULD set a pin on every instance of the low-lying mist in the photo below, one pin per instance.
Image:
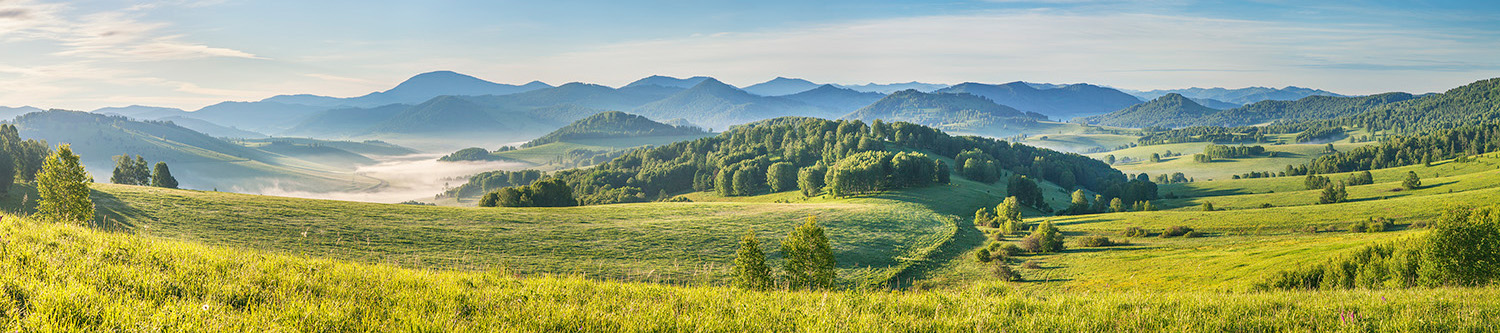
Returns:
(410, 177)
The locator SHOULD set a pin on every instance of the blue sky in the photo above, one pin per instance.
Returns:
(89, 54)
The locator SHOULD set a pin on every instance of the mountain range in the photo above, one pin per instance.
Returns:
(1057, 102)
(948, 111)
(1241, 96)
(1174, 111)
(1170, 110)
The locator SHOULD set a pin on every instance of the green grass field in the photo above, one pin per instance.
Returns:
(1219, 169)
(67, 278)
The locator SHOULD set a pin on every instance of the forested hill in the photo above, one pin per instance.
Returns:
(1305, 109)
(1062, 103)
(807, 149)
(956, 111)
(717, 105)
(1171, 110)
(612, 124)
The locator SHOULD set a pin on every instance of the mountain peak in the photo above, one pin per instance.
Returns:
(781, 86)
(668, 81)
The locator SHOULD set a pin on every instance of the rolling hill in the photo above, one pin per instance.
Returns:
(8, 113)
(887, 88)
(717, 105)
(414, 90)
(1061, 103)
(834, 98)
(1241, 96)
(1305, 109)
(950, 112)
(1172, 110)
(613, 124)
(780, 86)
(667, 81)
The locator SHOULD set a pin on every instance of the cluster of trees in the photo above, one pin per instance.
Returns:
(486, 182)
(1203, 158)
(1044, 239)
(738, 161)
(612, 124)
(1222, 151)
(19, 159)
(1463, 249)
(1006, 216)
(808, 264)
(1101, 204)
(1319, 133)
(1258, 174)
(1175, 177)
(549, 192)
(872, 171)
(1214, 134)
(1410, 150)
(135, 172)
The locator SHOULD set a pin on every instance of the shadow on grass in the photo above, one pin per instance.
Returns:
(113, 214)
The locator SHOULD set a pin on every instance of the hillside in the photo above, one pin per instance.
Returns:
(667, 81)
(1061, 103)
(197, 160)
(1171, 110)
(834, 98)
(344, 122)
(1305, 109)
(613, 124)
(887, 88)
(142, 112)
(780, 86)
(950, 112)
(210, 129)
(414, 90)
(261, 117)
(1241, 96)
(8, 113)
(717, 105)
(1474, 103)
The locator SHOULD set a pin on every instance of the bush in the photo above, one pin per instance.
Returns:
(983, 255)
(1004, 249)
(1031, 264)
(1357, 226)
(1030, 244)
(1135, 232)
(1208, 206)
(1005, 273)
(1096, 241)
(1266, 205)
(1379, 224)
(1192, 234)
(1175, 231)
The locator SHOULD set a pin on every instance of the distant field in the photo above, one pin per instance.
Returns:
(1219, 169)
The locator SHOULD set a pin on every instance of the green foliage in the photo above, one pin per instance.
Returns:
(1155, 158)
(1319, 133)
(1412, 181)
(26, 156)
(1116, 205)
(1135, 232)
(550, 192)
(1360, 178)
(809, 260)
(810, 179)
(782, 176)
(1170, 110)
(1044, 239)
(161, 176)
(470, 154)
(1099, 241)
(872, 171)
(63, 188)
(1025, 191)
(1462, 250)
(1333, 192)
(1202, 158)
(131, 171)
(1175, 231)
(1222, 151)
(750, 269)
(612, 124)
(486, 182)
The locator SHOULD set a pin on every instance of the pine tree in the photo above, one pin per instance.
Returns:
(809, 260)
(63, 188)
(1412, 181)
(162, 177)
(750, 270)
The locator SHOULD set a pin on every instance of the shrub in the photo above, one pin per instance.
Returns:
(1379, 224)
(1357, 226)
(1208, 206)
(1031, 264)
(1005, 273)
(1135, 232)
(1030, 244)
(983, 255)
(1266, 205)
(1175, 231)
(1192, 234)
(1004, 249)
(1095, 241)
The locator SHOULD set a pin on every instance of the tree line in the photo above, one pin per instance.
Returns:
(135, 172)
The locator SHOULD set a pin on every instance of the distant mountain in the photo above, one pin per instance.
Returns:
(344, 122)
(414, 90)
(718, 105)
(211, 129)
(8, 113)
(1240, 96)
(1171, 110)
(834, 98)
(450, 114)
(142, 112)
(262, 117)
(198, 161)
(780, 86)
(668, 81)
(1474, 103)
(887, 88)
(1214, 103)
(613, 124)
(1062, 103)
(949, 111)
(1305, 109)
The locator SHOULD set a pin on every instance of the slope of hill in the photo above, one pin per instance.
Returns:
(197, 160)
(1171, 110)
(8, 113)
(1074, 100)
(834, 98)
(613, 124)
(446, 114)
(262, 117)
(1305, 109)
(887, 88)
(1477, 102)
(344, 122)
(1242, 96)
(668, 81)
(414, 90)
(717, 105)
(142, 112)
(780, 86)
(950, 112)
(1215, 104)
(210, 129)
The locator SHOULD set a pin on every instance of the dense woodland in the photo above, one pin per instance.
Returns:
(1409, 150)
(844, 157)
(613, 124)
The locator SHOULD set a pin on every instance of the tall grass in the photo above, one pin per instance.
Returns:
(57, 277)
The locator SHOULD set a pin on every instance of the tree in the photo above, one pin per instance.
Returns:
(1412, 181)
(944, 173)
(1109, 159)
(1080, 203)
(782, 176)
(1208, 206)
(1155, 158)
(745, 182)
(162, 177)
(129, 171)
(809, 260)
(1046, 237)
(1008, 214)
(63, 187)
(551, 192)
(7, 171)
(1147, 207)
(724, 182)
(750, 270)
(1116, 205)
(810, 179)
(1333, 193)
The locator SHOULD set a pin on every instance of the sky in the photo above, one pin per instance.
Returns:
(83, 55)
